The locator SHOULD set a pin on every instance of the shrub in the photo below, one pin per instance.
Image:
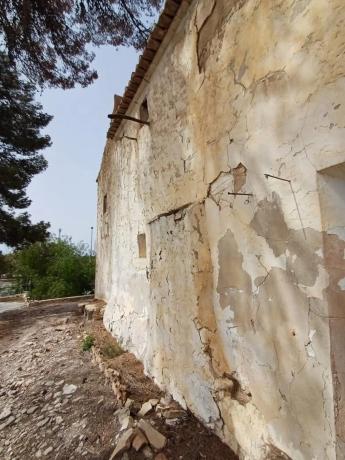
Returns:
(112, 350)
(56, 268)
(88, 342)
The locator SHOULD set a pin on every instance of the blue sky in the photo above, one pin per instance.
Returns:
(65, 194)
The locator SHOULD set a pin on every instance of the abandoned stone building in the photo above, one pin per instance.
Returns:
(221, 220)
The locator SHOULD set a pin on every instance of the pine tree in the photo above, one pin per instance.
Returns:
(21, 120)
(48, 39)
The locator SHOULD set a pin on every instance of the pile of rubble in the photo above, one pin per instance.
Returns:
(135, 432)
(113, 377)
(140, 434)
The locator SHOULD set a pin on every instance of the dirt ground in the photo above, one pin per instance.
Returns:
(55, 403)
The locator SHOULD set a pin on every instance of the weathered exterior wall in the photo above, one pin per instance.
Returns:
(239, 307)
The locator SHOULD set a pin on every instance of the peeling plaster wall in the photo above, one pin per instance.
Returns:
(239, 185)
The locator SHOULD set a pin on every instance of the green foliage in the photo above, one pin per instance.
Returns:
(112, 350)
(6, 264)
(56, 268)
(21, 121)
(88, 342)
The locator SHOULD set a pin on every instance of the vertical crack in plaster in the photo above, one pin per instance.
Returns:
(198, 35)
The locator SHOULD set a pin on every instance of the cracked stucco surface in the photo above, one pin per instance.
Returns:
(238, 309)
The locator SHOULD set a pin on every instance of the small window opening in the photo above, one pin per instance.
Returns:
(142, 245)
(105, 204)
(144, 111)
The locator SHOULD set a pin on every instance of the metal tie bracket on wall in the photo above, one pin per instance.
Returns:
(117, 116)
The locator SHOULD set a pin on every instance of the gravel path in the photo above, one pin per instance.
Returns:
(54, 403)
(7, 306)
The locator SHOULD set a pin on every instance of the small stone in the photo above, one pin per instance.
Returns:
(47, 451)
(139, 441)
(147, 452)
(69, 389)
(38, 454)
(6, 412)
(175, 413)
(31, 410)
(123, 444)
(172, 421)
(45, 408)
(43, 422)
(8, 422)
(127, 422)
(153, 402)
(59, 420)
(155, 438)
(59, 383)
(129, 402)
(166, 400)
(122, 414)
(145, 409)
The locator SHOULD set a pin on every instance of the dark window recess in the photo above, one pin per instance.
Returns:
(142, 245)
(144, 111)
(105, 204)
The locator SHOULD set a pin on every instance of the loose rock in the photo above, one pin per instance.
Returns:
(8, 422)
(124, 443)
(47, 451)
(145, 409)
(154, 402)
(6, 412)
(155, 438)
(123, 417)
(174, 413)
(129, 402)
(59, 419)
(69, 389)
(139, 441)
(147, 452)
(172, 421)
(43, 422)
(31, 410)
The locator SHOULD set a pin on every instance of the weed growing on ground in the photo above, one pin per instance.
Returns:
(112, 350)
(88, 342)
